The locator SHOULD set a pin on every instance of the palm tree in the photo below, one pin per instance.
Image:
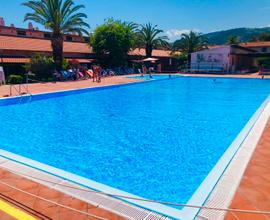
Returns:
(148, 37)
(190, 43)
(233, 40)
(59, 16)
(131, 25)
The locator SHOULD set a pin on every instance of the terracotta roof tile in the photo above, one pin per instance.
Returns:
(27, 60)
(215, 46)
(75, 47)
(256, 44)
(15, 60)
(43, 45)
(39, 45)
(84, 60)
(155, 53)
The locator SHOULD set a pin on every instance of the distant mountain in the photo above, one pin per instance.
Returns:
(244, 34)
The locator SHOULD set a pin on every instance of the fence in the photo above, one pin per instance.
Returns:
(206, 68)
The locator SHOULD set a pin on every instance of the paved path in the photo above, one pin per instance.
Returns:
(51, 87)
(40, 209)
(253, 192)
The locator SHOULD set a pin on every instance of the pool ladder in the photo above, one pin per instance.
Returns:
(22, 91)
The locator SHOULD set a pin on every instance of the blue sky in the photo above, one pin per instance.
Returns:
(173, 16)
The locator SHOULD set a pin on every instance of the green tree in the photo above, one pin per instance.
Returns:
(112, 41)
(264, 37)
(190, 43)
(260, 37)
(253, 39)
(181, 58)
(59, 16)
(148, 37)
(133, 26)
(233, 40)
(263, 61)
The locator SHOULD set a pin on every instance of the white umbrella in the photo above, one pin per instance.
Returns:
(150, 59)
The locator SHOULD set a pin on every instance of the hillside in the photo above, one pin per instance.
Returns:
(244, 34)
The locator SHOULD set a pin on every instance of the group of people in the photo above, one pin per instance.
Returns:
(146, 70)
(95, 73)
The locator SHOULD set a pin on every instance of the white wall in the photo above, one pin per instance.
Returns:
(211, 60)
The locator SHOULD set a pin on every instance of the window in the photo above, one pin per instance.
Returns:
(86, 39)
(264, 49)
(68, 38)
(21, 33)
(47, 35)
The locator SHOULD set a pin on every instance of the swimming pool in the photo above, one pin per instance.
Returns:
(157, 139)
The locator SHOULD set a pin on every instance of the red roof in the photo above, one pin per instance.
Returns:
(27, 60)
(39, 45)
(15, 60)
(43, 45)
(84, 60)
(256, 44)
(214, 46)
(155, 53)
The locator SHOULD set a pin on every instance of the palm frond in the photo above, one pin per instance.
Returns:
(149, 37)
(190, 42)
(61, 16)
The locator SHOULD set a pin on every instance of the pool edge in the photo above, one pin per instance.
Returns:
(223, 192)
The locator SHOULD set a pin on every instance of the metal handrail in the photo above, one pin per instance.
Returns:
(21, 85)
(19, 91)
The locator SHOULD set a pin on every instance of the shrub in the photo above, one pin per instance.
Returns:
(41, 66)
(65, 64)
(263, 61)
(15, 79)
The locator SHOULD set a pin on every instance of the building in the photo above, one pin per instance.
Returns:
(224, 59)
(18, 45)
(262, 47)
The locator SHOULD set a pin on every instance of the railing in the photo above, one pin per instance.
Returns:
(21, 90)
(208, 68)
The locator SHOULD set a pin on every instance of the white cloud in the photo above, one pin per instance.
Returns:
(267, 25)
(175, 34)
(214, 30)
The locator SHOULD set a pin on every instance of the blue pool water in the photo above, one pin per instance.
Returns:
(154, 76)
(157, 140)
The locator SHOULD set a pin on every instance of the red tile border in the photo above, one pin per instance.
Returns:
(254, 190)
(35, 88)
(50, 210)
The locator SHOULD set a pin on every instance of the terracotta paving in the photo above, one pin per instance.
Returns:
(5, 216)
(253, 192)
(43, 209)
(51, 87)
